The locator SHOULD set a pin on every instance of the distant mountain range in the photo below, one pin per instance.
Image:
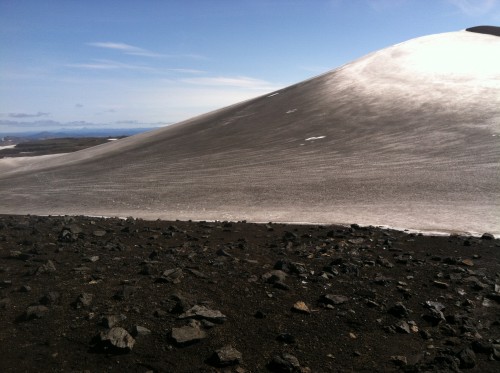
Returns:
(19, 137)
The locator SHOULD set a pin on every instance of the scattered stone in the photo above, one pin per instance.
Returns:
(84, 300)
(481, 346)
(25, 289)
(284, 363)
(381, 280)
(435, 305)
(384, 262)
(46, 268)
(173, 275)
(99, 233)
(402, 327)
(196, 273)
(35, 312)
(399, 360)
(496, 351)
(66, 235)
(111, 320)
(399, 310)
(494, 296)
(222, 252)
(92, 259)
(188, 334)
(51, 297)
(319, 268)
(372, 304)
(182, 304)
(301, 307)
(467, 358)
(333, 299)
(125, 292)
(434, 317)
(274, 276)
(468, 262)
(487, 236)
(281, 285)
(160, 313)
(203, 313)
(19, 255)
(5, 303)
(226, 356)
(140, 331)
(440, 284)
(116, 340)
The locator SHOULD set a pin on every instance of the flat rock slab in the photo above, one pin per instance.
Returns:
(35, 312)
(204, 313)
(116, 339)
(226, 356)
(188, 334)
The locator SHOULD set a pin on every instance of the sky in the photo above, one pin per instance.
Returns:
(147, 63)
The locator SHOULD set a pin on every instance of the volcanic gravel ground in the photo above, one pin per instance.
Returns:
(95, 295)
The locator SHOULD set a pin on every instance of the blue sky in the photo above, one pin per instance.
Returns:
(134, 63)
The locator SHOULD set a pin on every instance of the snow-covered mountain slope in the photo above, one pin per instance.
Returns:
(407, 136)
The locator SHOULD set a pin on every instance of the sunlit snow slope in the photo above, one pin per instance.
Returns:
(407, 137)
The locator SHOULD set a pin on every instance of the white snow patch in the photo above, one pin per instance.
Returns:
(274, 94)
(7, 147)
(291, 111)
(112, 139)
(315, 138)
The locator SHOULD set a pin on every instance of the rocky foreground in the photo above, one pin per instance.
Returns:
(94, 295)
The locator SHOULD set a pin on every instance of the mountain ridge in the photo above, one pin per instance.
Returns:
(400, 137)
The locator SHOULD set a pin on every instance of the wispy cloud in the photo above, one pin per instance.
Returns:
(115, 65)
(9, 126)
(240, 81)
(27, 115)
(40, 123)
(109, 65)
(474, 7)
(138, 51)
(187, 71)
(126, 48)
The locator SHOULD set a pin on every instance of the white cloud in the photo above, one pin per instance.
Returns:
(137, 51)
(120, 46)
(125, 48)
(187, 71)
(240, 81)
(28, 115)
(109, 65)
(474, 7)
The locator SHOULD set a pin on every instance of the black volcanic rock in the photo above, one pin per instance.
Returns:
(377, 329)
(490, 30)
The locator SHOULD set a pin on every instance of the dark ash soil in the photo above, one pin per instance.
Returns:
(52, 146)
(81, 294)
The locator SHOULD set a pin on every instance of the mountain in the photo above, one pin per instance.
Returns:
(70, 132)
(407, 136)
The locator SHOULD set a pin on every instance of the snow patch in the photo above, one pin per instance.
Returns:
(7, 147)
(274, 94)
(291, 111)
(315, 138)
